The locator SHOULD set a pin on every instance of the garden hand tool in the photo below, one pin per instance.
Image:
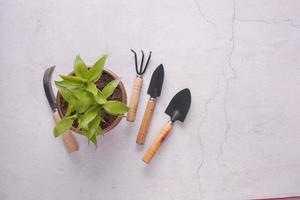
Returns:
(68, 137)
(137, 86)
(154, 91)
(177, 110)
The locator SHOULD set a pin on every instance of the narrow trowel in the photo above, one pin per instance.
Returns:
(154, 91)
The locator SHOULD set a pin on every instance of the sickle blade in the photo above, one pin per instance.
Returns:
(48, 87)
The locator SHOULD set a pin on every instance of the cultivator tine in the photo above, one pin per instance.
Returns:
(147, 63)
(135, 59)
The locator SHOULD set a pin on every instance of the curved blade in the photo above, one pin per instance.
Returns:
(179, 105)
(156, 82)
(48, 87)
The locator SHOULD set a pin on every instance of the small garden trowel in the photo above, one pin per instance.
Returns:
(177, 110)
(68, 137)
(154, 91)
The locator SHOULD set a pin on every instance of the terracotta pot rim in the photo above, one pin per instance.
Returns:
(124, 100)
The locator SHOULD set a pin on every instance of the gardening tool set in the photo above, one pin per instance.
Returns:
(177, 108)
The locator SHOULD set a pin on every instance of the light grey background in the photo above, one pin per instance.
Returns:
(239, 58)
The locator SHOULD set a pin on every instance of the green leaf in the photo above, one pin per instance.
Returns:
(96, 71)
(110, 88)
(93, 139)
(89, 116)
(80, 68)
(79, 120)
(102, 120)
(115, 108)
(69, 85)
(89, 134)
(94, 125)
(84, 98)
(65, 93)
(92, 88)
(62, 126)
(80, 108)
(73, 79)
(100, 99)
(99, 132)
(70, 108)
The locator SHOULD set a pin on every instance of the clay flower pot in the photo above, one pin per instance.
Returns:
(119, 94)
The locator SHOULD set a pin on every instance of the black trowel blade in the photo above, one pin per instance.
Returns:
(179, 105)
(156, 82)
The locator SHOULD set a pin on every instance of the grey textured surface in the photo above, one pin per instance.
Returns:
(239, 58)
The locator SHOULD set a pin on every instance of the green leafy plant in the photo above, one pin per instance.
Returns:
(86, 101)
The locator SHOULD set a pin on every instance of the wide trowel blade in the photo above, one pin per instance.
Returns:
(179, 105)
(48, 87)
(156, 82)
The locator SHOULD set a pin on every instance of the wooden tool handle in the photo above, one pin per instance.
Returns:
(68, 137)
(141, 137)
(157, 142)
(134, 100)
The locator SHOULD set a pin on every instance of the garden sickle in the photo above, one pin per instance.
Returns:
(68, 137)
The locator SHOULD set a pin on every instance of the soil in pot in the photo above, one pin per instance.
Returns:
(101, 83)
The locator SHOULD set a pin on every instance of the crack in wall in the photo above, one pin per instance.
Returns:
(227, 129)
(233, 19)
(229, 61)
(227, 78)
(205, 17)
(291, 22)
(200, 140)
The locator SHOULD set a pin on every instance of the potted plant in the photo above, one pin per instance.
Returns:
(90, 100)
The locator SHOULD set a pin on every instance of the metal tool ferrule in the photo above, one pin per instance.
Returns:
(152, 99)
(170, 122)
(139, 76)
